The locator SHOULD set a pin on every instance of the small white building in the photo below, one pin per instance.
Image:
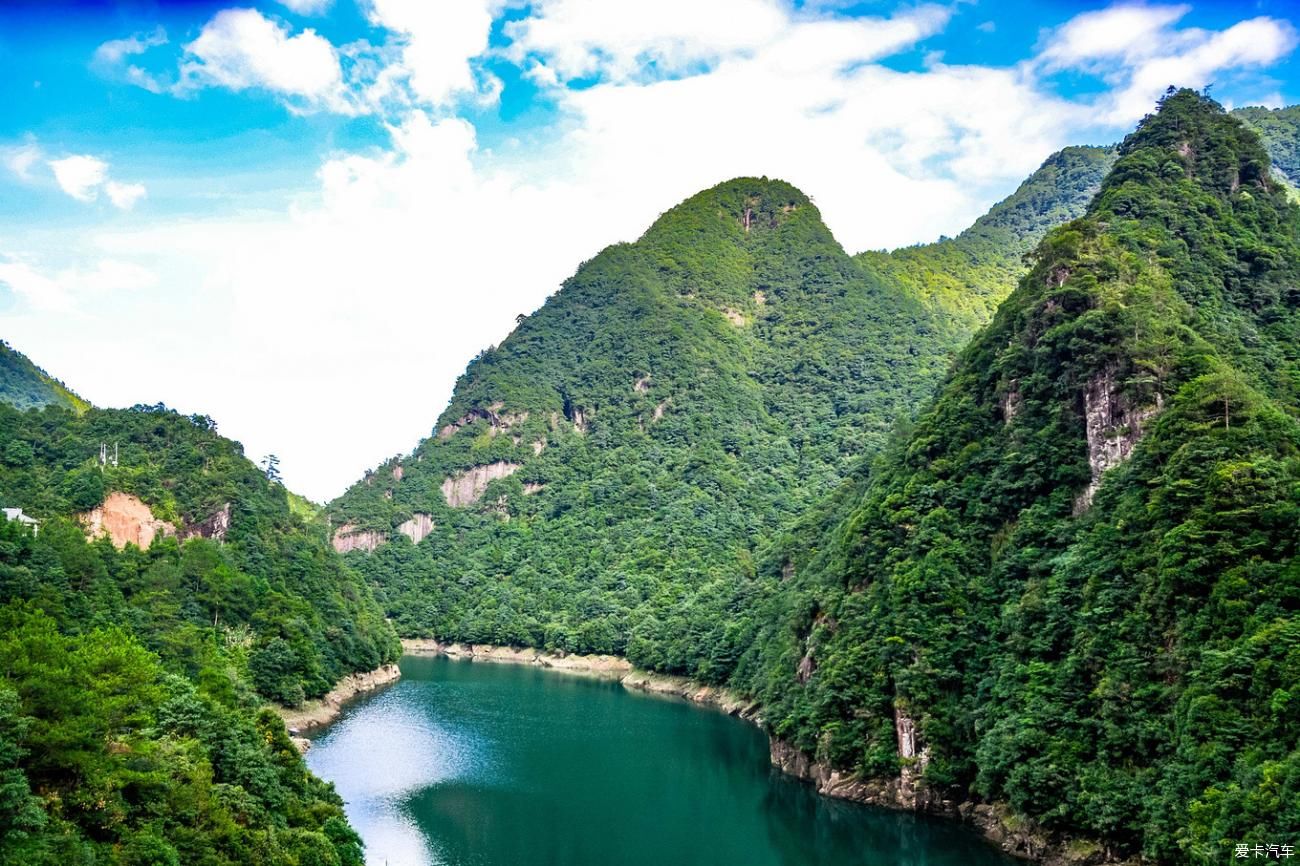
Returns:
(16, 515)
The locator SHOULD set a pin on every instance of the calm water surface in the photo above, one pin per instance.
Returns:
(475, 764)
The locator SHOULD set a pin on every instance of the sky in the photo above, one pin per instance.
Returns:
(302, 218)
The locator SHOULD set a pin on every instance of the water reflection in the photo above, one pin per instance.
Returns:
(473, 764)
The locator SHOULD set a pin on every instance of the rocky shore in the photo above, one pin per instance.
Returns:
(314, 714)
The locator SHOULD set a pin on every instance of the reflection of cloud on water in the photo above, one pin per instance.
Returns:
(382, 753)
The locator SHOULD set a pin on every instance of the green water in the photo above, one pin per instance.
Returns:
(476, 764)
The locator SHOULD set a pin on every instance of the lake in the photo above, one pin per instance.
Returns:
(466, 763)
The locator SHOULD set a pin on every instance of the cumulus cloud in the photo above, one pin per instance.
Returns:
(1138, 51)
(80, 176)
(241, 49)
(438, 44)
(124, 195)
(83, 177)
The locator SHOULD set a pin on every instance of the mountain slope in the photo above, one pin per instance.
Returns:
(135, 666)
(605, 472)
(1279, 131)
(966, 277)
(24, 385)
(1072, 587)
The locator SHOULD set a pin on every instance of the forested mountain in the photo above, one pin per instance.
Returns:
(133, 667)
(1279, 130)
(1072, 586)
(605, 472)
(601, 480)
(966, 277)
(25, 385)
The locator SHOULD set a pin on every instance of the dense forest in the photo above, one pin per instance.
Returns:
(1062, 558)
(133, 685)
(662, 417)
(1076, 574)
(702, 453)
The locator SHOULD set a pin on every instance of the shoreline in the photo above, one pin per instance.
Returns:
(320, 712)
(994, 822)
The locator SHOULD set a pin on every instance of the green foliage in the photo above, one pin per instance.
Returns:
(24, 385)
(135, 766)
(966, 277)
(132, 727)
(1120, 666)
(272, 583)
(1279, 131)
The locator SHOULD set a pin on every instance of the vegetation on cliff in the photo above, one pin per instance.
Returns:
(132, 681)
(25, 385)
(1076, 574)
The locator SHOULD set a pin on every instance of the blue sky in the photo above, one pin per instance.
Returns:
(307, 215)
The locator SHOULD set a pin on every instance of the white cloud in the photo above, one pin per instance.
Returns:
(1124, 31)
(83, 177)
(56, 291)
(124, 195)
(37, 290)
(20, 159)
(80, 176)
(111, 59)
(115, 51)
(307, 7)
(438, 42)
(240, 49)
(1138, 52)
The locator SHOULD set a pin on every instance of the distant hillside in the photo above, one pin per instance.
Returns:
(24, 385)
(966, 277)
(1279, 131)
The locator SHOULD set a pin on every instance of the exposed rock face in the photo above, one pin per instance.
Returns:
(736, 317)
(417, 527)
(913, 756)
(641, 385)
(499, 421)
(465, 488)
(760, 299)
(539, 446)
(580, 422)
(1010, 402)
(347, 537)
(1114, 426)
(398, 472)
(215, 526)
(127, 520)
(533, 487)
(659, 410)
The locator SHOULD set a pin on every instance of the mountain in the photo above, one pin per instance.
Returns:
(966, 277)
(133, 725)
(1071, 587)
(606, 470)
(602, 480)
(1279, 131)
(25, 385)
